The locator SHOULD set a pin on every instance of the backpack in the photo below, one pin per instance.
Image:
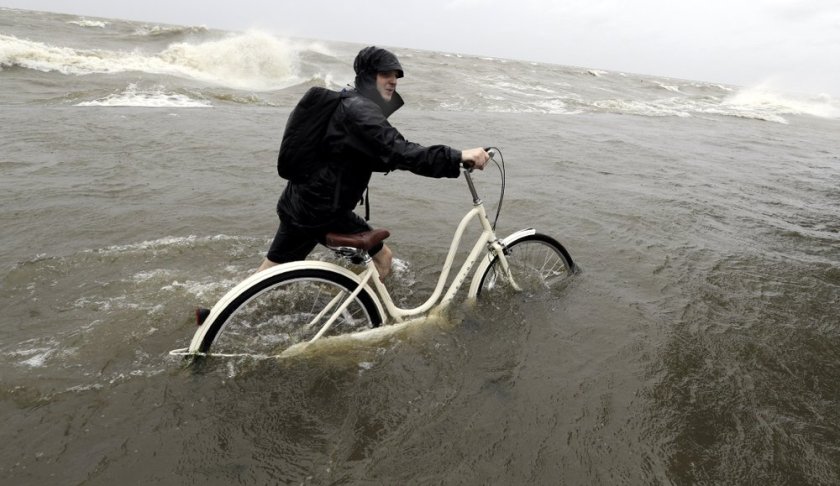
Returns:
(301, 150)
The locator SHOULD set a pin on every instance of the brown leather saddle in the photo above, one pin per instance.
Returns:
(362, 241)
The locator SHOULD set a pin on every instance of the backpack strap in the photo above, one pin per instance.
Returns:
(367, 203)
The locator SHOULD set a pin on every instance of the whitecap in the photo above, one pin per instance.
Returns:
(167, 242)
(765, 102)
(164, 30)
(36, 357)
(156, 97)
(643, 108)
(146, 275)
(669, 87)
(89, 23)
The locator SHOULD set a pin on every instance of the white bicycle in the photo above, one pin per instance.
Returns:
(292, 305)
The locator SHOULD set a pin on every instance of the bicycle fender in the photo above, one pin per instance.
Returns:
(485, 262)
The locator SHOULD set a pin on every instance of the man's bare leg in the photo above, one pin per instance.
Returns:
(266, 263)
(383, 260)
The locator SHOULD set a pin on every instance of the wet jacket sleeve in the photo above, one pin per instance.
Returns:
(384, 143)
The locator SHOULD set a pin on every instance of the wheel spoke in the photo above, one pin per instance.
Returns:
(273, 315)
(537, 263)
(327, 308)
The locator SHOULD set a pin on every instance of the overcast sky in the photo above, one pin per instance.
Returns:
(789, 45)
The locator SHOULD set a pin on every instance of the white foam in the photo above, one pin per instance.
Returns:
(201, 290)
(523, 89)
(163, 30)
(400, 266)
(644, 108)
(89, 23)
(764, 100)
(669, 87)
(716, 86)
(741, 105)
(160, 273)
(156, 97)
(167, 243)
(557, 106)
(84, 388)
(252, 61)
(37, 361)
(37, 357)
(106, 304)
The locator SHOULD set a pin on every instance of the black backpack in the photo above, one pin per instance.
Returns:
(301, 151)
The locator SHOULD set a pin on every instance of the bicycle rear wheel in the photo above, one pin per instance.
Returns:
(538, 263)
(286, 309)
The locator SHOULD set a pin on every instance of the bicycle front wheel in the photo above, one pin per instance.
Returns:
(286, 309)
(538, 263)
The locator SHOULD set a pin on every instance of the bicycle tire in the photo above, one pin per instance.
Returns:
(271, 315)
(537, 262)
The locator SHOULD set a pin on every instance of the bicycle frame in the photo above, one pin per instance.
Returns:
(486, 237)
(487, 241)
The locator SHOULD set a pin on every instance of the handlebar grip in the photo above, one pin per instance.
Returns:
(490, 152)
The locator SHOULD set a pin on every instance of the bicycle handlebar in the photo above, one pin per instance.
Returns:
(469, 165)
(492, 152)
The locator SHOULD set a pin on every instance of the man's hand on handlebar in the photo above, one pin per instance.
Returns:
(475, 158)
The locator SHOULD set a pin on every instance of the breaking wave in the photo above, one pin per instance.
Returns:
(761, 99)
(252, 61)
(248, 64)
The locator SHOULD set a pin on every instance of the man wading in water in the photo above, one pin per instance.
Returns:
(359, 141)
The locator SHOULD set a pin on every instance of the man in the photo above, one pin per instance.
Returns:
(359, 141)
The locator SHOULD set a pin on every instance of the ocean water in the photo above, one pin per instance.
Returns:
(697, 346)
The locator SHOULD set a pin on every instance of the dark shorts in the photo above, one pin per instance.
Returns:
(293, 243)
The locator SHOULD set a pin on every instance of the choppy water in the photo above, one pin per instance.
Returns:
(698, 345)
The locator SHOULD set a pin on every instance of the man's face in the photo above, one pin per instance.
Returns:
(386, 84)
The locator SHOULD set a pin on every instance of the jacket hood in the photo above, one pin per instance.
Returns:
(370, 61)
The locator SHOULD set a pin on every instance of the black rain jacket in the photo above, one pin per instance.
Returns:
(360, 141)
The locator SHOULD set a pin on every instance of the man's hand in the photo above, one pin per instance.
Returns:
(476, 158)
